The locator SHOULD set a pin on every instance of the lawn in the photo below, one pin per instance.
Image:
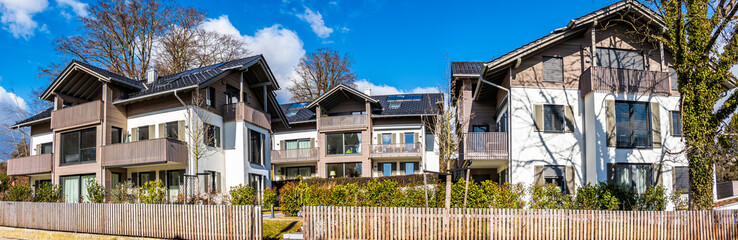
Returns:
(274, 229)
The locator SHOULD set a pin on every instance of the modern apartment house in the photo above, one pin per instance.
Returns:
(211, 123)
(587, 103)
(348, 133)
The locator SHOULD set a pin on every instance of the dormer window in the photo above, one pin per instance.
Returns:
(413, 97)
(395, 105)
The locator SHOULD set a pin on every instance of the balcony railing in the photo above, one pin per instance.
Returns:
(485, 145)
(160, 150)
(605, 79)
(37, 164)
(243, 112)
(82, 114)
(294, 155)
(345, 122)
(396, 150)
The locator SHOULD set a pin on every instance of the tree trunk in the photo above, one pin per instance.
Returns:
(425, 188)
(466, 186)
(448, 191)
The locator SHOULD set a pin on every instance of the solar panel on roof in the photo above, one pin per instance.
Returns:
(298, 105)
(404, 97)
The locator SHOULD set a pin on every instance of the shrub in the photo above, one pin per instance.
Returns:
(653, 198)
(269, 197)
(95, 192)
(4, 182)
(124, 193)
(242, 195)
(383, 193)
(19, 193)
(289, 199)
(502, 196)
(474, 198)
(152, 192)
(626, 196)
(47, 192)
(679, 200)
(595, 197)
(549, 196)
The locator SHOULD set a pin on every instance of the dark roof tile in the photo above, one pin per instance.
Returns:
(466, 68)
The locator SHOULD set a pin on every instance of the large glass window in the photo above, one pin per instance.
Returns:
(297, 144)
(676, 123)
(144, 177)
(343, 143)
(480, 128)
(174, 179)
(78, 146)
(116, 135)
(143, 133)
(293, 172)
(46, 148)
(386, 138)
(633, 127)
(553, 69)
(553, 118)
(231, 94)
(430, 142)
(637, 176)
(344, 170)
(619, 58)
(256, 149)
(172, 130)
(74, 188)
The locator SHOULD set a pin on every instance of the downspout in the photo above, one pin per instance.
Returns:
(509, 126)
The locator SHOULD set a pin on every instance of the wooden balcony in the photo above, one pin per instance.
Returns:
(78, 115)
(304, 155)
(37, 164)
(243, 112)
(153, 151)
(604, 79)
(394, 150)
(347, 122)
(485, 145)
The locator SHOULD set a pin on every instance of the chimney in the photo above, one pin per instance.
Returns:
(368, 91)
(151, 75)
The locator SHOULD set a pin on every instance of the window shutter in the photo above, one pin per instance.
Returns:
(539, 175)
(38, 149)
(181, 130)
(611, 172)
(162, 130)
(611, 134)
(152, 131)
(417, 140)
(312, 143)
(656, 124)
(379, 138)
(569, 114)
(134, 134)
(671, 124)
(402, 137)
(281, 145)
(538, 114)
(218, 180)
(570, 187)
(553, 69)
(658, 175)
(393, 138)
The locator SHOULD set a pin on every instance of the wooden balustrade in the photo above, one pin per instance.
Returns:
(396, 150)
(243, 112)
(294, 155)
(160, 150)
(77, 115)
(346, 122)
(485, 145)
(605, 79)
(36, 164)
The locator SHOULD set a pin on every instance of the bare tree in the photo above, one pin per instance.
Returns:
(320, 71)
(199, 136)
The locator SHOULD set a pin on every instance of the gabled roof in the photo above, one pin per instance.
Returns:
(331, 99)
(574, 27)
(470, 69)
(101, 74)
(39, 117)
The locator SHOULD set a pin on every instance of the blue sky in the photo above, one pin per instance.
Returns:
(396, 46)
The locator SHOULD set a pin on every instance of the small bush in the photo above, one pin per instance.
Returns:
(242, 195)
(4, 182)
(269, 197)
(626, 196)
(502, 196)
(95, 192)
(549, 196)
(289, 198)
(152, 192)
(47, 192)
(595, 197)
(124, 193)
(382, 194)
(19, 193)
(652, 199)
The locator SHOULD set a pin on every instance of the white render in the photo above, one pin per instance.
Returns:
(40, 139)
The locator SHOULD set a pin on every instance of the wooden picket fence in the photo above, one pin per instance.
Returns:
(439, 223)
(140, 220)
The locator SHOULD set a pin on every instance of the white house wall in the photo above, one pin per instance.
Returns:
(40, 139)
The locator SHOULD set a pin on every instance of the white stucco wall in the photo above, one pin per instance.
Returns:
(40, 139)
(236, 152)
(294, 135)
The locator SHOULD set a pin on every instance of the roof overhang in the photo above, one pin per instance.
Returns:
(338, 94)
(28, 124)
(72, 73)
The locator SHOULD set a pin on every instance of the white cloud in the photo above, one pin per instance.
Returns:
(79, 8)
(384, 89)
(281, 47)
(9, 99)
(17, 16)
(316, 23)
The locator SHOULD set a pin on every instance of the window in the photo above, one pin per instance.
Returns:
(303, 172)
(386, 138)
(555, 175)
(632, 126)
(335, 170)
(637, 176)
(502, 123)
(297, 144)
(256, 149)
(343, 143)
(553, 118)
(619, 58)
(116, 135)
(231, 94)
(409, 141)
(74, 188)
(395, 105)
(298, 105)
(255, 182)
(480, 128)
(143, 133)
(210, 96)
(115, 179)
(46, 148)
(144, 177)
(673, 79)
(291, 113)
(408, 168)
(212, 135)
(681, 178)
(414, 97)
(430, 142)
(78, 146)
(174, 179)
(172, 130)
(676, 123)
(553, 69)
(386, 169)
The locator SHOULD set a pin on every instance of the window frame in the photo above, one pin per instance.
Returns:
(403, 167)
(543, 68)
(674, 184)
(210, 96)
(212, 132)
(231, 93)
(343, 144)
(632, 129)
(343, 166)
(430, 146)
(257, 148)
(173, 125)
(620, 64)
(546, 118)
(649, 171)
(120, 135)
(674, 128)
(141, 133)
(561, 179)
(81, 186)
(43, 145)
(63, 159)
(483, 127)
